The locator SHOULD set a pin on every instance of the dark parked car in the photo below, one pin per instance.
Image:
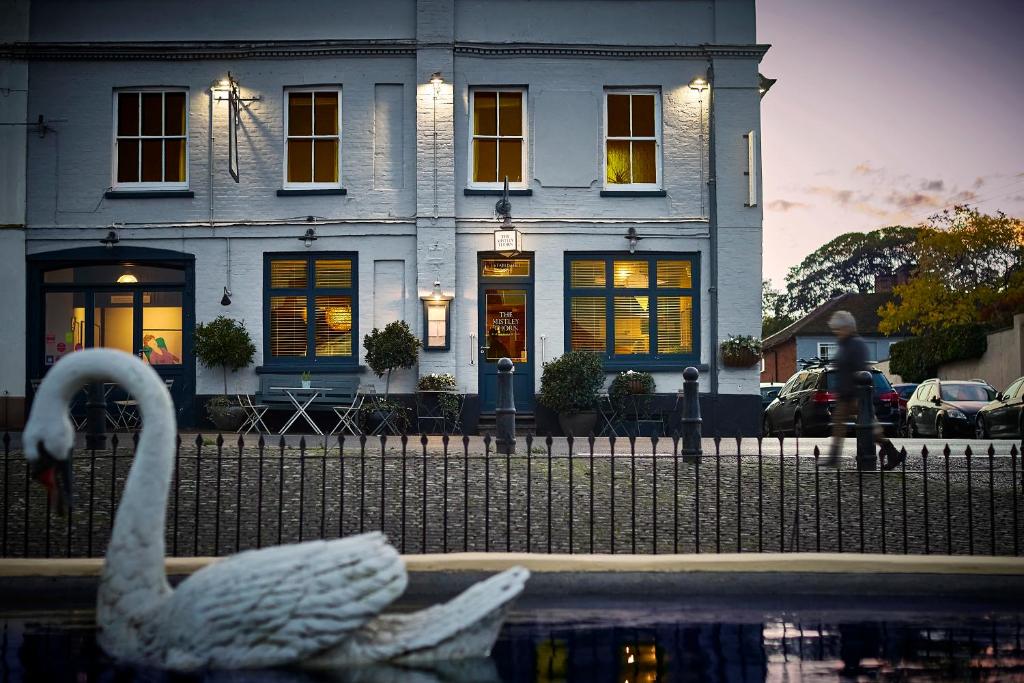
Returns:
(769, 390)
(805, 403)
(946, 408)
(1004, 417)
(905, 391)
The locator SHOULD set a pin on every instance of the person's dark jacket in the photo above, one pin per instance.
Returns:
(851, 358)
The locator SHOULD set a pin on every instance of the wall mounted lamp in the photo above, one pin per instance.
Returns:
(226, 299)
(436, 319)
(111, 239)
(436, 79)
(633, 238)
(698, 84)
(308, 237)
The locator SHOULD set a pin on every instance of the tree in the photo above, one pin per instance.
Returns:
(849, 263)
(970, 268)
(391, 348)
(773, 307)
(224, 342)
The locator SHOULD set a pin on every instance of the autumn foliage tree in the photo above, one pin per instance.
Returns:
(970, 269)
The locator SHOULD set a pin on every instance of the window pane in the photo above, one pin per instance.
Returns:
(587, 323)
(65, 324)
(334, 326)
(485, 161)
(510, 161)
(333, 273)
(174, 161)
(161, 327)
(511, 114)
(485, 113)
(152, 161)
(174, 113)
(505, 268)
(618, 116)
(288, 274)
(326, 114)
(127, 161)
(325, 156)
(632, 325)
(675, 324)
(288, 326)
(128, 113)
(113, 321)
(300, 113)
(630, 274)
(300, 161)
(152, 113)
(618, 162)
(644, 168)
(587, 274)
(675, 274)
(643, 115)
(437, 325)
(505, 320)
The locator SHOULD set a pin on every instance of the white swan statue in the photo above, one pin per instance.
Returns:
(316, 604)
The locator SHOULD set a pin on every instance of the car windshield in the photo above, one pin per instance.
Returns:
(964, 392)
(881, 383)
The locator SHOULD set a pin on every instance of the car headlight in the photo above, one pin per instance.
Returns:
(956, 415)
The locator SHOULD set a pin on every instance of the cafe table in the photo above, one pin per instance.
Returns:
(295, 395)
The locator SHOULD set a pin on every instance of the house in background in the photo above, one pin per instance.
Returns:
(810, 336)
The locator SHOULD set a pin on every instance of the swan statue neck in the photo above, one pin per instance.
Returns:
(134, 581)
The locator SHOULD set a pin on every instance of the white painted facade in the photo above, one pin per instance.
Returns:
(404, 154)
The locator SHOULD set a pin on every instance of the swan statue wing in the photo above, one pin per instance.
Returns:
(279, 605)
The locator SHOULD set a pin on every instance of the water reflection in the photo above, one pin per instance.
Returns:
(61, 647)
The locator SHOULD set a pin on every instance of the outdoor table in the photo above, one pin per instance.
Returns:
(431, 406)
(639, 409)
(300, 408)
(387, 415)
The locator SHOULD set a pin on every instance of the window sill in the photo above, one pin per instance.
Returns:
(653, 366)
(149, 194)
(312, 368)
(633, 193)
(312, 192)
(481, 192)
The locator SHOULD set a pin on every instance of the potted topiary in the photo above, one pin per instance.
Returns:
(569, 386)
(387, 350)
(741, 351)
(225, 343)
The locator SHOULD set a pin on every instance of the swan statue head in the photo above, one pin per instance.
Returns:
(313, 604)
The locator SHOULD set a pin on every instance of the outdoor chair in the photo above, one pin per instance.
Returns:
(254, 413)
(348, 413)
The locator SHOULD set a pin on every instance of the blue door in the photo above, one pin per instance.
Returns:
(506, 328)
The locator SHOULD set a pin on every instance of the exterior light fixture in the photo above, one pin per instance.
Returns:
(127, 279)
(507, 240)
(698, 84)
(308, 237)
(226, 299)
(111, 239)
(436, 79)
(436, 319)
(436, 292)
(633, 238)
(764, 84)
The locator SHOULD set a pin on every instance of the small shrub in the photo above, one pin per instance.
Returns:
(224, 342)
(436, 382)
(918, 359)
(628, 383)
(570, 383)
(391, 348)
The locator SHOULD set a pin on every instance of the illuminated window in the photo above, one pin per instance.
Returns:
(498, 148)
(312, 157)
(150, 139)
(632, 308)
(310, 308)
(632, 140)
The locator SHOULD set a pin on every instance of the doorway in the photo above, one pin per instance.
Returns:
(506, 327)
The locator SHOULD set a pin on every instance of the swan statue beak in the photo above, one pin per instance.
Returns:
(54, 474)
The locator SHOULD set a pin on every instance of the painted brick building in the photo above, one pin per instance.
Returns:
(629, 132)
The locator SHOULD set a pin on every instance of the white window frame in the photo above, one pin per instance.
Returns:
(144, 186)
(312, 185)
(500, 184)
(831, 345)
(626, 187)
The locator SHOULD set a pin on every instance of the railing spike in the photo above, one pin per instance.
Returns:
(423, 440)
(220, 440)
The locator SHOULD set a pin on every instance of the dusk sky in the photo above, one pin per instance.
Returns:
(886, 112)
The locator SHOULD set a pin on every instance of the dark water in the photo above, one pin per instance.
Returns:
(620, 646)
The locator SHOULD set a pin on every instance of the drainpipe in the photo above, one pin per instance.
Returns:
(713, 238)
(209, 151)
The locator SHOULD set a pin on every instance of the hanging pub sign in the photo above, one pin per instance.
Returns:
(508, 241)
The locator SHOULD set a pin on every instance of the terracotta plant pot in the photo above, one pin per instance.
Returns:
(578, 424)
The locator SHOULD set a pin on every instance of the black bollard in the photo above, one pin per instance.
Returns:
(96, 417)
(691, 421)
(505, 412)
(865, 427)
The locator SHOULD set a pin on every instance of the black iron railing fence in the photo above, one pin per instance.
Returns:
(636, 495)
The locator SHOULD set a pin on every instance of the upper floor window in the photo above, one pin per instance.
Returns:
(150, 139)
(498, 145)
(632, 140)
(312, 156)
(827, 350)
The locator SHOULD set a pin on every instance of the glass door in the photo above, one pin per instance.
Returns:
(506, 330)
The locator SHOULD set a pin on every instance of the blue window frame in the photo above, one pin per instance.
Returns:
(311, 310)
(636, 310)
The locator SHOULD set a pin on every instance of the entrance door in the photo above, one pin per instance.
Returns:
(506, 329)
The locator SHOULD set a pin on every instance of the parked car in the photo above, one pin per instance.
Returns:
(944, 408)
(1004, 416)
(805, 403)
(905, 390)
(769, 390)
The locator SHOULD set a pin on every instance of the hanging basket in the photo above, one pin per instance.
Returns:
(741, 358)
(635, 386)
